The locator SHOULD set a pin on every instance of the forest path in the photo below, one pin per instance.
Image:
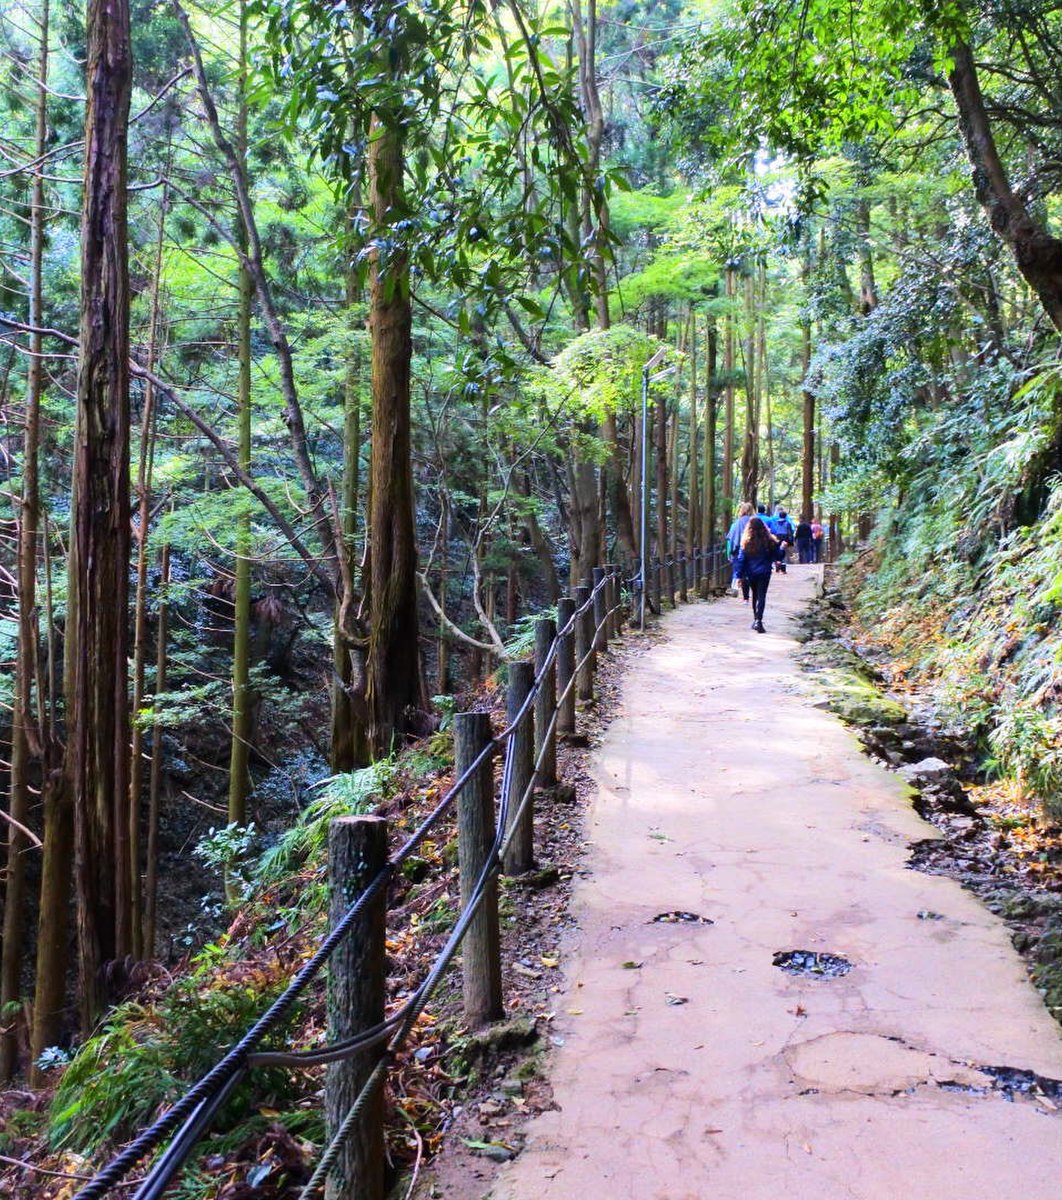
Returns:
(690, 1066)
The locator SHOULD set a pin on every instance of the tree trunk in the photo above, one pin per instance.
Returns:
(868, 288)
(26, 739)
(539, 542)
(728, 404)
(350, 747)
(394, 686)
(661, 477)
(151, 877)
(750, 449)
(242, 699)
(148, 425)
(673, 480)
(95, 683)
(765, 394)
(807, 460)
(693, 522)
(1037, 252)
(711, 417)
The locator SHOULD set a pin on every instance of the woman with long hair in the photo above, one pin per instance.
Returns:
(733, 544)
(755, 561)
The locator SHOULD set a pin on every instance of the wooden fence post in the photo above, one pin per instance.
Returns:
(481, 949)
(584, 645)
(545, 703)
(357, 852)
(684, 582)
(565, 667)
(657, 589)
(697, 569)
(600, 611)
(670, 581)
(519, 854)
(616, 600)
(610, 616)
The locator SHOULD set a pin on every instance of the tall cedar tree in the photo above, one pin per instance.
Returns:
(95, 682)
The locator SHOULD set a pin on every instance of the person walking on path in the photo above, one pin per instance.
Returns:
(805, 552)
(757, 555)
(817, 533)
(782, 528)
(733, 544)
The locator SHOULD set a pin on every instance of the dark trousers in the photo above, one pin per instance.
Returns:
(804, 550)
(759, 585)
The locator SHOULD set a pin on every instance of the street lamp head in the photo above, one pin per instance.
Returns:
(669, 370)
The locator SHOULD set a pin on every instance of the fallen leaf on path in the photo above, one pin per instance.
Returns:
(631, 965)
(673, 999)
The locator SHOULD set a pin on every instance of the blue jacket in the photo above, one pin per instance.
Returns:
(755, 566)
(781, 527)
(733, 537)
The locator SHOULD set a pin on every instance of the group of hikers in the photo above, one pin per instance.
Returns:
(757, 545)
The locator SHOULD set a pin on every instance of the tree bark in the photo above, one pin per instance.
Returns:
(1037, 252)
(95, 684)
(393, 668)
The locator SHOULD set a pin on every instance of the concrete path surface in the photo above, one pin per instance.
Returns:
(690, 1066)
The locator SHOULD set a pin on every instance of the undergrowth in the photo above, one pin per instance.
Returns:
(149, 1050)
(969, 611)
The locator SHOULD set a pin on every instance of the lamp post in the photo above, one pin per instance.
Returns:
(647, 378)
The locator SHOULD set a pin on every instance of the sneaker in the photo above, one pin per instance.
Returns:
(758, 626)
(754, 624)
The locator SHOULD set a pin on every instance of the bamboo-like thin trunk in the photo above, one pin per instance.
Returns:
(26, 734)
(807, 458)
(442, 651)
(728, 404)
(765, 394)
(242, 700)
(148, 426)
(750, 448)
(151, 878)
(711, 416)
(350, 747)
(693, 521)
(661, 476)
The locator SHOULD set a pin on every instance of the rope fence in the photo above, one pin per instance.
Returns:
(492, 835)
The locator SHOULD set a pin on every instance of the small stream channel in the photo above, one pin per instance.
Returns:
(977, 846)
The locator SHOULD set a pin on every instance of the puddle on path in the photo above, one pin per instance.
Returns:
(812, 963)
(679, 917)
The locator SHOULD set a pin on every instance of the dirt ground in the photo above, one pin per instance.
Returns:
(900, 1052)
